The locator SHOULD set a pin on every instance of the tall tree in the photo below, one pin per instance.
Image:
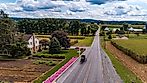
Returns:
(62, 38)
(54, 46)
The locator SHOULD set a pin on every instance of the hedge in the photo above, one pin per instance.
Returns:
(49, 56)
(76, 37)
(138, 57)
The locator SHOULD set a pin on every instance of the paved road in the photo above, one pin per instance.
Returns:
(96, 70)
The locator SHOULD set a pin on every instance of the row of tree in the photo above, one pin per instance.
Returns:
(49, 25)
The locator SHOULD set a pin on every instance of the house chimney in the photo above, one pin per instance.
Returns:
(34, 46)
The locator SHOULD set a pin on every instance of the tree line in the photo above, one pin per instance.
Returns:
(46, 26)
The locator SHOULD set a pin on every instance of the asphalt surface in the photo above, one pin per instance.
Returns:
(97, 69)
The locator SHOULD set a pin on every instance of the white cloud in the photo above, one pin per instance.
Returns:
(110, 10)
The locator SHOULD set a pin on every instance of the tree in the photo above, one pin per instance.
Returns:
(74, 27)
(88, 30)
(110, 36)
(54, 46)
(62, 38)
(116, 32)
(125, 26)
(83, 29)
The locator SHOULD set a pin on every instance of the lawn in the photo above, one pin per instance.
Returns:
(68, 55)
(85, 42)
(139, 46)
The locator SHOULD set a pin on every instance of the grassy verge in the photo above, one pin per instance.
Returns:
(68, 54)
(126, 75)
(85, 42)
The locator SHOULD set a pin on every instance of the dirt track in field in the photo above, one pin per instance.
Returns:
(139, 69)
(21, 70)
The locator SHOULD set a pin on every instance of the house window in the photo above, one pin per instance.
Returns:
(31, 43)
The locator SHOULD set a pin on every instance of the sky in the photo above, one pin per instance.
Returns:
(7, 1)
(110, 10)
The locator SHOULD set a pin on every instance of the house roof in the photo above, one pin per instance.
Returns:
(106, 29)
(27, 37)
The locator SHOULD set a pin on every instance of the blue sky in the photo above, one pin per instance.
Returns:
(7, 1)
(77, 9)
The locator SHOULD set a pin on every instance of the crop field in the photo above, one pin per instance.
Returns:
(21, 70)
(134, 36)
(85, 42)
(119, 26)
(135, 48)
(137, 45)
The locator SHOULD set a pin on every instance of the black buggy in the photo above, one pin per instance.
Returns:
(83, 59)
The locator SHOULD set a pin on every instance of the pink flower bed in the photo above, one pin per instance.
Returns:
(60, 71)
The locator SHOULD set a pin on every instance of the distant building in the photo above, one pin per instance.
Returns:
(106, 29)
(135, 30)
(33, 42)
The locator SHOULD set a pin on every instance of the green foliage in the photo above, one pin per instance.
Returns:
(110, 36)
(62, 38)
(125, 26)
(49, 25)
(10, 43)
(54, 46)
(74, 27)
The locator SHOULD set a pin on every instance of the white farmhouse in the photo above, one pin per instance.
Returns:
(33, 42)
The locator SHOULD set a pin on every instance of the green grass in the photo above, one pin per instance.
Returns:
(68, 54)
(126, 75)
(134, 36)
(85, 42)
(138, 46)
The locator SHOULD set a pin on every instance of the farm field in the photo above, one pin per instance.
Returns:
(21, 70)
(84, 42)
(139, 46)
(27, 70)
(119, 26)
